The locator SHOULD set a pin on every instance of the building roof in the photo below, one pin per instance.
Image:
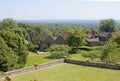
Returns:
(92, 40)
(44, 37)
(89, 36)
(104, 34)
(59, 40)
(65, 35)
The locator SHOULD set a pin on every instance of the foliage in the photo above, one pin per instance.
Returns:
(8, 24)
(59, 51)
(115, 38)
(110, 53)
(76, 38)
(16, 43)
(108, 25)
(32, 47)
(91, 55)
(86, 48)
(65, 48)
(34, 80)
(59, 54)
(7, 79)
(7, 57)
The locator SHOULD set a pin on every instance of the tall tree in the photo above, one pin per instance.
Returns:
(16, 43)
(8, 23)
(116, 38)
(108, 25)
(8, 59)
(76, 38)
(110, 53)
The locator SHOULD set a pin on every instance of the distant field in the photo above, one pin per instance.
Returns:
(37, 58)
(70, 72)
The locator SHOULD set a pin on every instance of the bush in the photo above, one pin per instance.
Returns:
(32, 47)
(59, 51)
(58, 55)
(64, 48)
(86, 48)
(91, 55)
(7, 79)
(110, 54)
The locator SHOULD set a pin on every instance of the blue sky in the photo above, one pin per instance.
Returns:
(59, 9)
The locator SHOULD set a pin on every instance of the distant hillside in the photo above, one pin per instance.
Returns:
(81, 22)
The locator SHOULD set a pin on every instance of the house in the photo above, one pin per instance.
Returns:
(45, 41)
(93, 38)
(92, 42)
(104, 37)
(59, 40)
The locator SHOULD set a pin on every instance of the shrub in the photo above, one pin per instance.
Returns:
(64, 48)
(91, 55)
(58, 55)
(110, 54)
(31, 47)
(86, 48)
(59, 51)
(7, 79)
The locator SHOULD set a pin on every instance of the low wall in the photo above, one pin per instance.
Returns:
(32, 68)
(53, 63)
(93, 64)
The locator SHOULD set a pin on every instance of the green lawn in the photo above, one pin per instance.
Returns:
(70, 72)
(1, 73)
(77, 57)
(42, 58)
(37, 58)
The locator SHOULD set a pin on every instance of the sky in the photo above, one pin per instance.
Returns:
(60, 9)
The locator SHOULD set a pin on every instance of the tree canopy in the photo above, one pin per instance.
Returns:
(8, 23)
(7, 57)
(76, 38)
(108, 25)
(16, 43)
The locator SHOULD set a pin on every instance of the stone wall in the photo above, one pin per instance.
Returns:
(66, 60)
(32, 68)
(93, 64)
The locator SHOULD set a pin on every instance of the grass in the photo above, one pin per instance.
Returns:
(37, 58)
(43, 58)
(77, 57)
(1, 73)
(70, 72)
